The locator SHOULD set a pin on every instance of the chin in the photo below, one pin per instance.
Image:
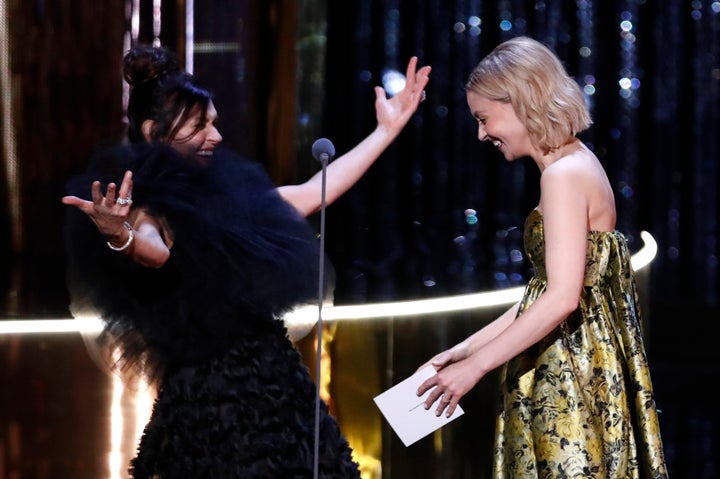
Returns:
(203, 160)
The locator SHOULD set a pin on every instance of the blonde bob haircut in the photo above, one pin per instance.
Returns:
(525, 73)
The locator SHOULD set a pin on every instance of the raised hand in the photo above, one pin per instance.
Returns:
(109, 212)
(393, 113)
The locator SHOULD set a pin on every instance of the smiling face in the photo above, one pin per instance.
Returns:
(526, 74)
(498, 123)
(198, 136)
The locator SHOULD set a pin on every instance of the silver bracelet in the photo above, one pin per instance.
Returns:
(129, 241)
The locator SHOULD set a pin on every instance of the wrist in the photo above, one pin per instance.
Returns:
(388, 131)
(115, 244)
(462, 350)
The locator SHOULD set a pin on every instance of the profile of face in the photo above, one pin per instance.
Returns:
(499, 124)
(198, 136)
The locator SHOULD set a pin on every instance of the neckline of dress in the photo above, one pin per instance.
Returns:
(593, 232)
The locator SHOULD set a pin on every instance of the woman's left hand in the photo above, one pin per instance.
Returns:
(393, 113)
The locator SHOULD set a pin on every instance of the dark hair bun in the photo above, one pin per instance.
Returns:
(143, 64)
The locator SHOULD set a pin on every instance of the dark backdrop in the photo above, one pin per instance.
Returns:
(652, 74)
(651, 69)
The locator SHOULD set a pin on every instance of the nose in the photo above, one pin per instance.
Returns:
(482, 134)
(214, 136)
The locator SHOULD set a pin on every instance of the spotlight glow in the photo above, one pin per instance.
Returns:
(309, 315)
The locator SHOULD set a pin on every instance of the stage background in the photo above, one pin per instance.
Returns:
(287, 72)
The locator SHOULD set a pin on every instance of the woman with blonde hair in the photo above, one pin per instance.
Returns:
(576, 395)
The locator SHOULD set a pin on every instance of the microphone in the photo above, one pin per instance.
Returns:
(323, 150)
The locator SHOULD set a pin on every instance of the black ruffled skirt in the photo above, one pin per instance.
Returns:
(249, 413)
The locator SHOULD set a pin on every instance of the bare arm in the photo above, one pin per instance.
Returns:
(564, 207)
(342, 173)
(475, 341)
(146, 246)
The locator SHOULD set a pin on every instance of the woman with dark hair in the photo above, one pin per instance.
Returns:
(190, 256)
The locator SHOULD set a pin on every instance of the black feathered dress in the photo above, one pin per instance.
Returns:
(234, 398)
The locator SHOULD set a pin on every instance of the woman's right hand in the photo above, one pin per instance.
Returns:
(109, 212)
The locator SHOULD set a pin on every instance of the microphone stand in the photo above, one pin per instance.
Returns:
(321, 297)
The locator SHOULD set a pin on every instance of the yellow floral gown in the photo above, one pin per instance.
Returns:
(579, 404)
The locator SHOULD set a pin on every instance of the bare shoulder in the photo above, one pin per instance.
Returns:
(577, 165)
(579, 176)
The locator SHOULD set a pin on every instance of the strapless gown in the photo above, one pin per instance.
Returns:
(579, 404)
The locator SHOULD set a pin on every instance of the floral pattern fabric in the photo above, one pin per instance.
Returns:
(579, 404)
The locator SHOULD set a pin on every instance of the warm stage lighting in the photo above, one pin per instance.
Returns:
(309, 315)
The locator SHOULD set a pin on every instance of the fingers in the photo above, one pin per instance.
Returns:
(449, 408)
(427, 384)
(436, 391)
(78, 202)
(432, 398)
(415, 76)
(440, 360)
(70, 200)
(416, 80)
(110, 199)
(410, 72)
(422, 79)
(423, 75)
(126, 186)
(113, 196)
(446, 402)
(439, 396)
(380, 94)
(97, 196)
(108, 210)
(443, 401)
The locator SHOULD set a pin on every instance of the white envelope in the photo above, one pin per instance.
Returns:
(405, 411)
